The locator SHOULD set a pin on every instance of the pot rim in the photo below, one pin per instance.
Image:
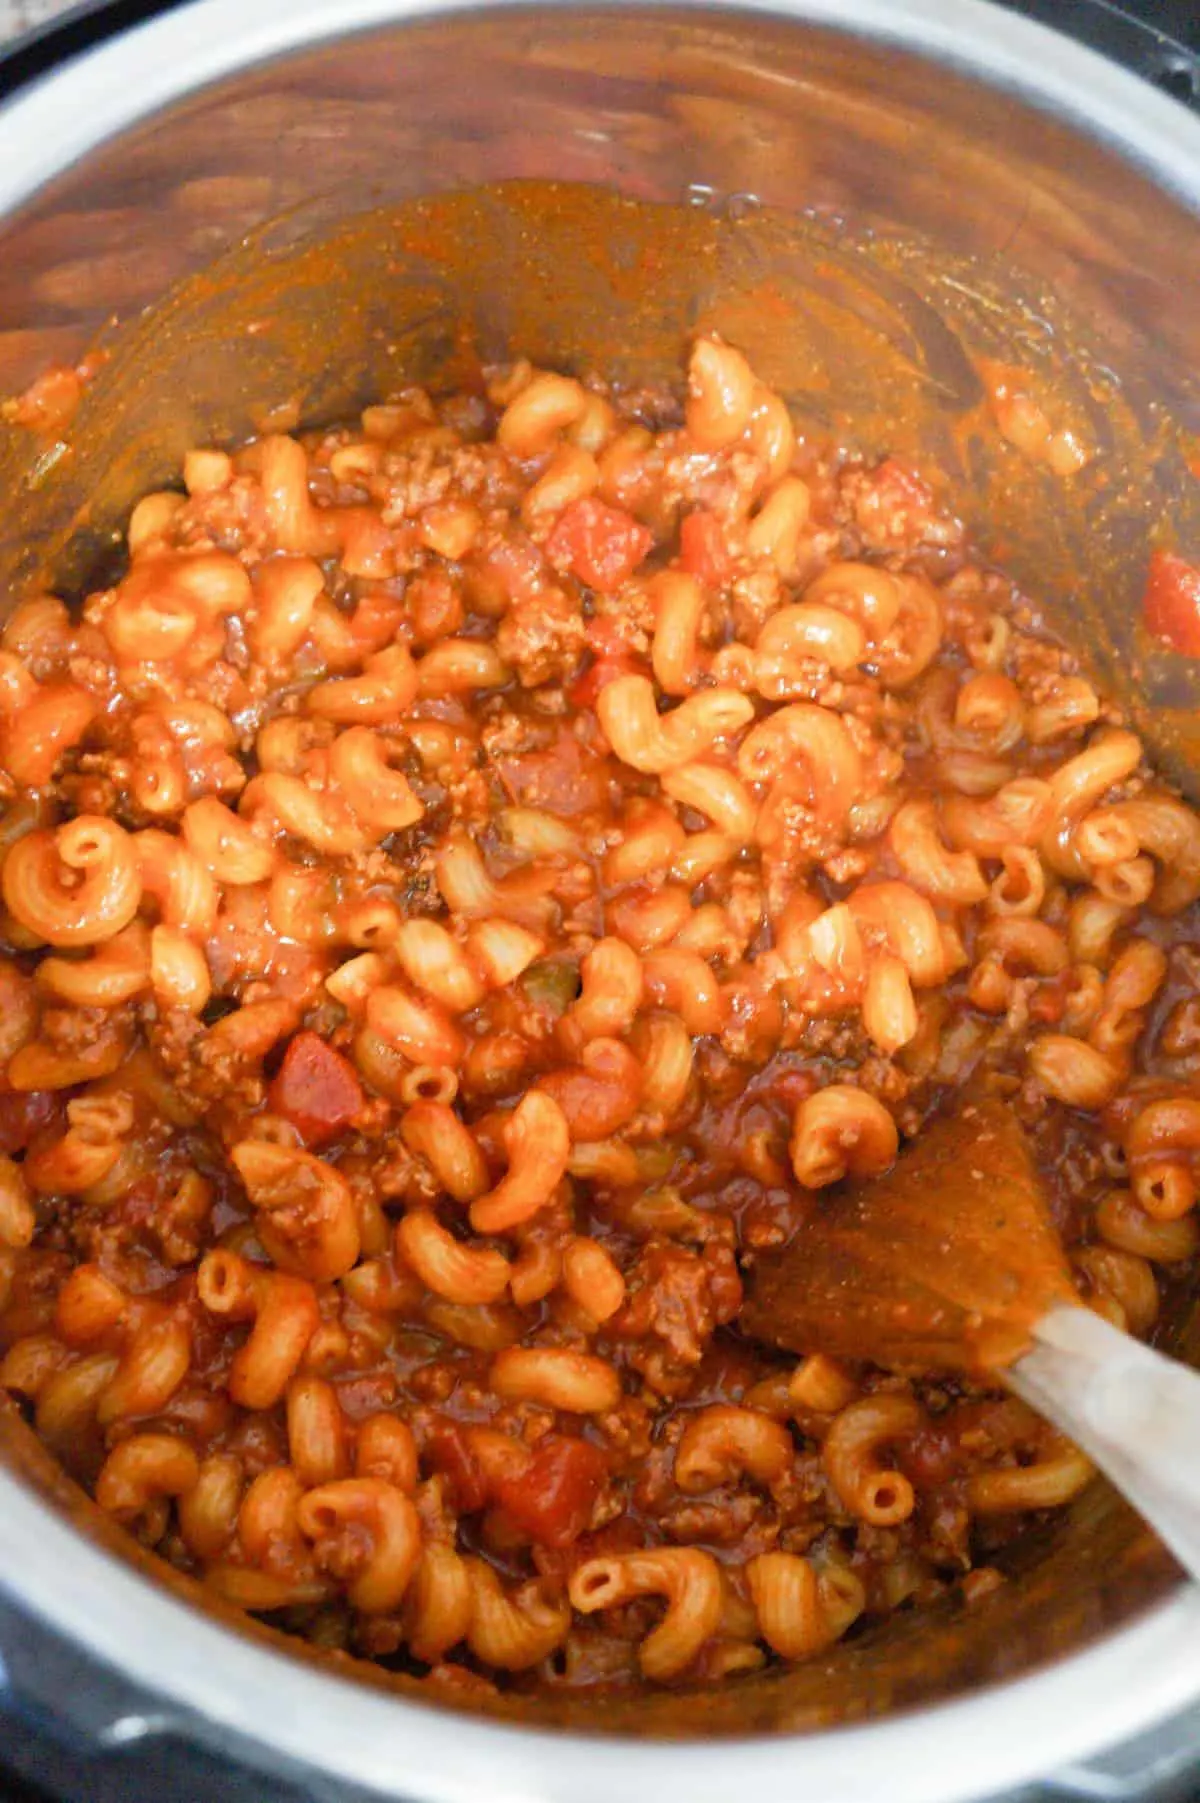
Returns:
(219, 1681)
(70, 111)
(216, 1684)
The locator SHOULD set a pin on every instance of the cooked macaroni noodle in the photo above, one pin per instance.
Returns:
(468, 883)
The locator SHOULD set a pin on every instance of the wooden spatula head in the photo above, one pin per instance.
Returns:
(943, 1264)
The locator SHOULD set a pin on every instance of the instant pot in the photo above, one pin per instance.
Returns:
(300, 204)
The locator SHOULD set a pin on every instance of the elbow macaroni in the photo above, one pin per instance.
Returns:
(468, 883)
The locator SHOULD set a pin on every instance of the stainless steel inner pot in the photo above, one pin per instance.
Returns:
(865, 194)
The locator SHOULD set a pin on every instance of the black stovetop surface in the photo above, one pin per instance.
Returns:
(32, 1771)
(1179, 18)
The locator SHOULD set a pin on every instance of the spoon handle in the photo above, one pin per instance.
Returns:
(1136, 1413)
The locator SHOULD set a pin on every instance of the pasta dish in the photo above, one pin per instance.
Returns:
(467, 885)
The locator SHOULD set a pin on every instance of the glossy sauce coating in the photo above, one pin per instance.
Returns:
(469, 884)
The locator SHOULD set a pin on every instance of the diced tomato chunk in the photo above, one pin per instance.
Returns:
(509, 570)
(373, 623)
(1171, 604)
(449, 1450)
(607, 640)
(584, 689)
(316, 1089)
(23, 1115)
(607, 635)
(601, 545)
(932, 1458)
(553, 1498)
(703, 551)
(562, 778)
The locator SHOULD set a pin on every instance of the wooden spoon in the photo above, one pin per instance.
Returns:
(951, 1262)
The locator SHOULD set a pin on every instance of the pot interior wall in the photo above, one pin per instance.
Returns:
(316, 233)
(937, 217)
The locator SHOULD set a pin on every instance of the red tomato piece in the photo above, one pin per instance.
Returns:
(563, 778)
(791, 1088)
(553, 1498)
(703, 551)
(584, 690)
(510, 570)
(602, 545)
(1171, 604)
(449, 1451)
(374, 621)
(607, 641)
(316, 1089)
(23, 1115)
(932, 1459)
(607, 635)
